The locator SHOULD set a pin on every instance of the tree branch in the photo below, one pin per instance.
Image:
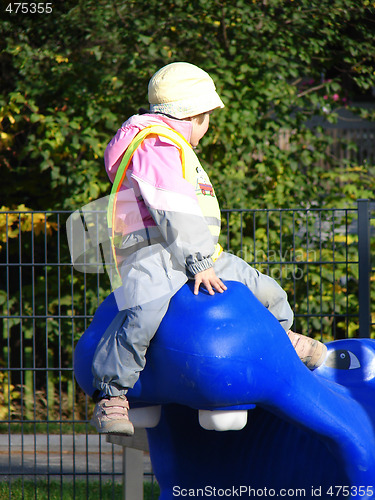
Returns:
(312, 89)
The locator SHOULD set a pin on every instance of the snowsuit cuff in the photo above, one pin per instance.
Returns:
(200, 266)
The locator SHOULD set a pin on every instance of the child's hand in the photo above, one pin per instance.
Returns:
(210, 281)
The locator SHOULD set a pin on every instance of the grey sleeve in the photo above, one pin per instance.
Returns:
(188, 238)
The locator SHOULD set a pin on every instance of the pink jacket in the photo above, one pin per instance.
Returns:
(154, 192)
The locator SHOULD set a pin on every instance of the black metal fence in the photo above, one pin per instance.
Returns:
(321, 257)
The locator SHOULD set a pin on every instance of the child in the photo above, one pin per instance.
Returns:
(168, 219)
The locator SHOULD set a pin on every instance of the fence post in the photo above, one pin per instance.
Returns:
(364, 267)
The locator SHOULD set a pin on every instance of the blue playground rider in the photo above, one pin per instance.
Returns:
(166, 226)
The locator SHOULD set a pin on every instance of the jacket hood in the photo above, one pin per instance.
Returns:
(129, 129)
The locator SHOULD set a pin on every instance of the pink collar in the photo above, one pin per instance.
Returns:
(184, 127)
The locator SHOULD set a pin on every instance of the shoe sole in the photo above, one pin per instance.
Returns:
(321, 359)
(312, 354)
(122, 428)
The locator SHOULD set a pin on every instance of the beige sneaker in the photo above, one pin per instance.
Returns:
(311, 352)
(111, 416)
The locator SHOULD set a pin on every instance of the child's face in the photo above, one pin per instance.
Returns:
(200, 126)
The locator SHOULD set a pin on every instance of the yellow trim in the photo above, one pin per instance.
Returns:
(158, 130)
(218, 251)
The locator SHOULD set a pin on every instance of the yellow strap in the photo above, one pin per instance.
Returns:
(159, 130)
(218, 251)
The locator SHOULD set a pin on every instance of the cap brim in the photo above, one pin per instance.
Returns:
(189, 107)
